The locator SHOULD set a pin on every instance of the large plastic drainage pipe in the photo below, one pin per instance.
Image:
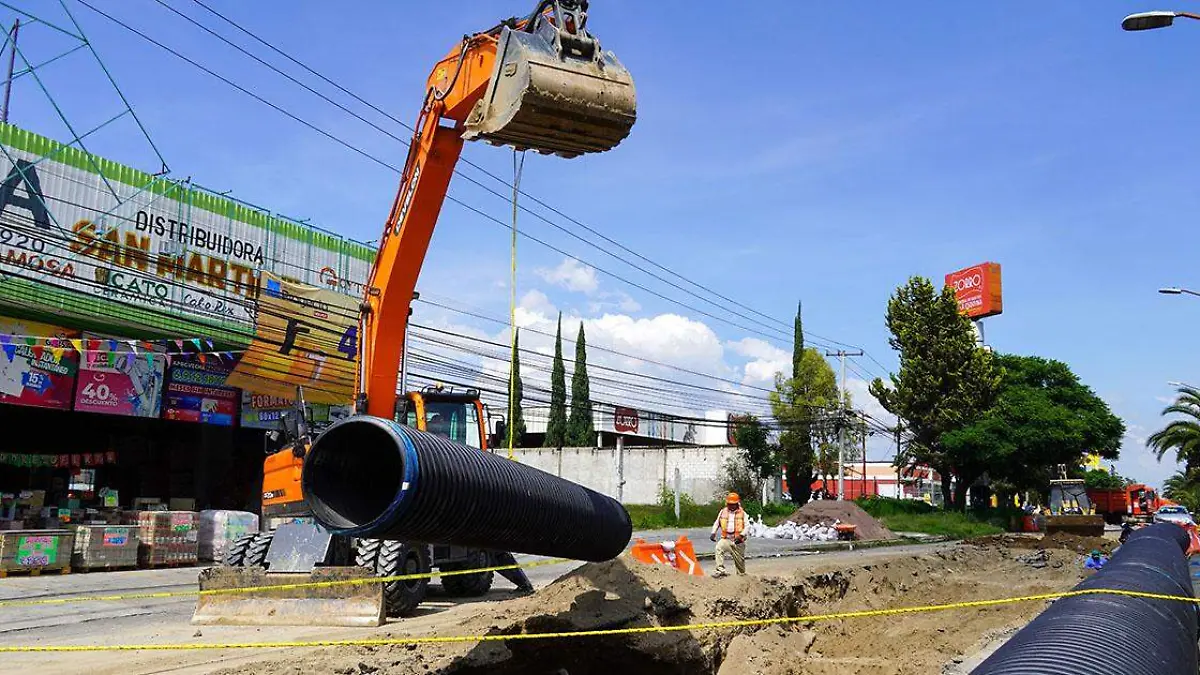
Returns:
(372, 478)
(1108, 633)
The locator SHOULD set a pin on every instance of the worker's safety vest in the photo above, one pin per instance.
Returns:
(739, 523)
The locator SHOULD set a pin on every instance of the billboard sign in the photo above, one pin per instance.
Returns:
(98, 240)
(37, 364)
(195, 393)
(119, 382)
(977, 290)
(625, 420)
(263, 411)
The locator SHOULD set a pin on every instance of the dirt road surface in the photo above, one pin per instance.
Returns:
(628, 596)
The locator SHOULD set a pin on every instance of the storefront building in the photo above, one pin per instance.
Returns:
(150, 331)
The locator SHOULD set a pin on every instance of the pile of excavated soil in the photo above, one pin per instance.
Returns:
(623, 593)
(1062, 540)
(827, 510)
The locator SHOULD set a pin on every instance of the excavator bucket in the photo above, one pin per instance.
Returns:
(555, 91)
(1081, 525)
(224, 600)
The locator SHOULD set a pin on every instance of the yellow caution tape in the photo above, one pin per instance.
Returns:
(448, 639)
(280, 587)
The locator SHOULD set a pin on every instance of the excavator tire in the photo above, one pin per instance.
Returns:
(256, 552)
(394, 558)
(235, 555)
(467, 585)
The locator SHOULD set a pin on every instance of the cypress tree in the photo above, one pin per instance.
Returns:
(516, 427)
(581, 429)
(556, 426)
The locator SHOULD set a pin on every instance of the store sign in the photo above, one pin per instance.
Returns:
(263, 411)
(119, 382)
(625, 420)
(305, 336)
(195, 392)
(978, 290)
(37, 551)
(116, 536)
(76, 223)
(37, 364)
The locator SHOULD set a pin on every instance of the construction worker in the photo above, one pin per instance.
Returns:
(1095, 561)
(731, 528)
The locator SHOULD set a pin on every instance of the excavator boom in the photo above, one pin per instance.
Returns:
(544, 84)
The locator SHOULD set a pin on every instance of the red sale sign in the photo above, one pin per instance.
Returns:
(117, 380)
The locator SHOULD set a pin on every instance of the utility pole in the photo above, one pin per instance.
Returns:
(404, 356)
(899, 487)
(12, 62)
(842, 354)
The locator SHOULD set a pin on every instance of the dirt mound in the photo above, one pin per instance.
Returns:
(625, 594)
(828, 510)
(1070, 542)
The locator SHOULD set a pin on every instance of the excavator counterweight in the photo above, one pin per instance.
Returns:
(554, 91)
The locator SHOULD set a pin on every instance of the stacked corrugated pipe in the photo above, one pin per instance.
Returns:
(372, 478)
(1108, 633)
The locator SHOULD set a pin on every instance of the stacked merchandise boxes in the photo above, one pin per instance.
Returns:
(105, 546)
(35, 551)
(219, 529)
(166, 537)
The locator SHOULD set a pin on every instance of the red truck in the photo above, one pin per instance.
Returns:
(1135, 502)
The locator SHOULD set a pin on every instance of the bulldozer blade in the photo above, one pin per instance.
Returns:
(571, 103)
(1081, 525)
(355, 605)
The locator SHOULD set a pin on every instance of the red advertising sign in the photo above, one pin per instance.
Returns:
(37, 364)
(625, 420)
(977, 290)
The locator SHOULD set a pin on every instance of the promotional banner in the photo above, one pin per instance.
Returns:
(305, 336)
(37, 364)
(195, 393)
(978, 290)
(118, 380)
(98, 240)
(263, 411)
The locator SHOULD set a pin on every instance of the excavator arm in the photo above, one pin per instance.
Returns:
(542, 83)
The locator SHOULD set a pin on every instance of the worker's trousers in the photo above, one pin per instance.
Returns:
(738, 551)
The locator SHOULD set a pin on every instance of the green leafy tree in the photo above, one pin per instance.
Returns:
(556, 425)
(1103, 480)
(1183, 488)
(1181, 435)
(754, 443)
(946, 381)
(516, 426)
(800, 403)
(581, 428)
(1043, 416)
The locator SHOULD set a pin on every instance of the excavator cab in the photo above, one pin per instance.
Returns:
(457, 416)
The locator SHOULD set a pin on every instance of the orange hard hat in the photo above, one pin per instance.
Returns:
(733, 498)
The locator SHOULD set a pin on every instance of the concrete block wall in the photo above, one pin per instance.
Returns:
(646, 470)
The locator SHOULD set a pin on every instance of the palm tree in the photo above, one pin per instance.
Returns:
(1181, 435)
(1181, 489)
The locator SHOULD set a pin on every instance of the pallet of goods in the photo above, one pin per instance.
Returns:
(166, 538)
(35, 551)
(105, 547)
(218, 529)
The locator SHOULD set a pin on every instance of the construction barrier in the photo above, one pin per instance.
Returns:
(679, 554)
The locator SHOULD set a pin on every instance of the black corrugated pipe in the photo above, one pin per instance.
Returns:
(1106, 633)
(370, 477)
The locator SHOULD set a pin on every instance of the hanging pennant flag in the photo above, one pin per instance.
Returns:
(111, 358)
(129, 357)
(209, 343)
(37, 353)
(150, 360)
(202, 359)
(179, 344)
(146, 344)
(196, 341)
(77, 344)
(93, 345)
(57, 353)
(112, 345)
(4, 339)
(31, 341)
(168, 358)
(133, 346)
(10, 351)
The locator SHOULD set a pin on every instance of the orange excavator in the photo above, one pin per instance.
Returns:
(540, 83)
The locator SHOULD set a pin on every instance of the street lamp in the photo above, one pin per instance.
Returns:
(1152, 20)
(1175, 290)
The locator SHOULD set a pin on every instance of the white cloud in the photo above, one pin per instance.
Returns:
(571, 275)
(766, 360)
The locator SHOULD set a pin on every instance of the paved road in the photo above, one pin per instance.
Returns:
(168, 620)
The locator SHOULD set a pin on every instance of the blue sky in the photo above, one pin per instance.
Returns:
(813, 154)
